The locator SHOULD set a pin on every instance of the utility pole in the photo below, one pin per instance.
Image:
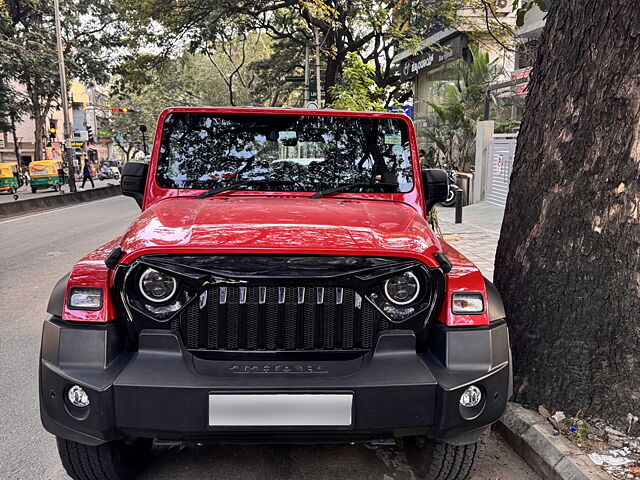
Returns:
(318, 82)
(68, 132)
(306, 76)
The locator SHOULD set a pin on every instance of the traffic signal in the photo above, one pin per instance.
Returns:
(121, 110)
(89, 134)
(52, 128)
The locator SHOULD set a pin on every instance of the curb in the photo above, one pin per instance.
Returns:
(549, 454)
(31, 205)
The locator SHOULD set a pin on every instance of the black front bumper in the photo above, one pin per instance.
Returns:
(162, 390)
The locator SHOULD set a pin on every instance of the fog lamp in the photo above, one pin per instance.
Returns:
(78, 397)
(471, 397)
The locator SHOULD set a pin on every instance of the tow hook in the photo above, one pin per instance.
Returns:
(380, 442)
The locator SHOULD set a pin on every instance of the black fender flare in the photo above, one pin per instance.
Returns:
(495, 310)
(495, 307)
(56, 299)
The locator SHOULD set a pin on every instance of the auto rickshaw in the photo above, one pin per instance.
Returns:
(10, 180)
(46, 174)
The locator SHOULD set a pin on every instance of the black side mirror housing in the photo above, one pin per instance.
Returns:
(435, 182)
(133, 180)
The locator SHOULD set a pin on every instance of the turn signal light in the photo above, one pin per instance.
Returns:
(85, 298)
(467, 303)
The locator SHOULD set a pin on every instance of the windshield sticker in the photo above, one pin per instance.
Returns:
(287, 135)
(392, 139)
(397, 150)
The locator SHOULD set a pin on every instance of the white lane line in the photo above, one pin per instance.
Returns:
(51, 210)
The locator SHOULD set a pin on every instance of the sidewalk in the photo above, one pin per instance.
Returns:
(477, 236)
(24, 192)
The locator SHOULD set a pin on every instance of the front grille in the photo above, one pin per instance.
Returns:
(280, 318)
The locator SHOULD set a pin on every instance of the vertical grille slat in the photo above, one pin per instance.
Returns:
(328, 318)
(280, 318)
(251, 318)
(309, 319)
(233, 317)
(348, 314)
(213, 318)
(290, 318)
(193, 325)
(271, 321)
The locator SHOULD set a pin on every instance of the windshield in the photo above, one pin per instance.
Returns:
(205, 151)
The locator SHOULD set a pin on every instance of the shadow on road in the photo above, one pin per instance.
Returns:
(277, 462)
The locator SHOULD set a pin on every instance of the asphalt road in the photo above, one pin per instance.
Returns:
(24, 192)
(40, 248)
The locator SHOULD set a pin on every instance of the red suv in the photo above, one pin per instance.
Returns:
(281, 285)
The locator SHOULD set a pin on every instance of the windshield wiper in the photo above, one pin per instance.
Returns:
(244, 183)
(349, 186)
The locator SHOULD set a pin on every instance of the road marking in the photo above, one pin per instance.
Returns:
(92, 202)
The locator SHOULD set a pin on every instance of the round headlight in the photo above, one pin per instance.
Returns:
(156, 286)
(402, 289)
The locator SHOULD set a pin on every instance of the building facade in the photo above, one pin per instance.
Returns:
(85, 115)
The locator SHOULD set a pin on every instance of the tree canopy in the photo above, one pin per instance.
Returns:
(29, 63)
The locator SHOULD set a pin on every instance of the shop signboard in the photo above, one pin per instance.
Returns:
(449, 50)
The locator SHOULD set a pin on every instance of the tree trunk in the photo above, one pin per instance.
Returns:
(568, 260)
(16, 145)
(39, 121)
(330, 76)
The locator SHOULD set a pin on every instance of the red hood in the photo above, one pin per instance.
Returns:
(236, 224)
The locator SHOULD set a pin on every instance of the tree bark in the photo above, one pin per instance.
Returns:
(39, 122)
(16, 145)
(568, 259)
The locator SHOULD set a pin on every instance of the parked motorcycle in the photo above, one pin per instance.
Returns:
(451, 195)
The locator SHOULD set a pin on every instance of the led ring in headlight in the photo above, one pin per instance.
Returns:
(402, 289)
(157, 286)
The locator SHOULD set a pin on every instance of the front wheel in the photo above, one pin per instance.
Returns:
(451, 198)
(110, 461)
(436, 460)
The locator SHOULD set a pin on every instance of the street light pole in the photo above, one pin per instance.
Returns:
(318, 81)
(306, 76)
(68, 133)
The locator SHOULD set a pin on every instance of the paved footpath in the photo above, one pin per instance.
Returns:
(477, 236)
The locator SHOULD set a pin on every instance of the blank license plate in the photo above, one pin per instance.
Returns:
(280, 410)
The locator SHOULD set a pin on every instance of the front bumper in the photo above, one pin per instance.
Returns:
(162, 390)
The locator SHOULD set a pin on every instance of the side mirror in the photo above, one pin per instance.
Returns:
(436, 186)
(133, 180)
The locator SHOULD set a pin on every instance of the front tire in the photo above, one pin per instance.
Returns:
(110, 461)
(437, 460)
(451, 198)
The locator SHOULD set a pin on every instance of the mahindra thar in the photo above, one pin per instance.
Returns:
(281, 285)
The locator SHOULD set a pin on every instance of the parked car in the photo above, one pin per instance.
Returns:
(280, 285)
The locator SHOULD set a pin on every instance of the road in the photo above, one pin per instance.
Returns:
(40, 248)
(24, 192)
